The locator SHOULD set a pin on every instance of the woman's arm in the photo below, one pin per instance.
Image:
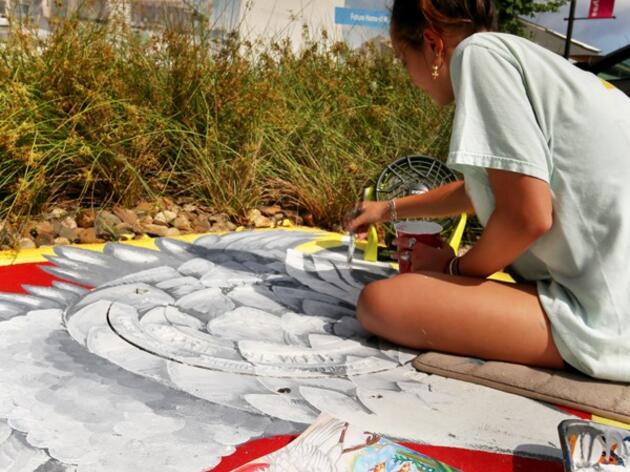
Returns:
(523, 213)
(447, 200)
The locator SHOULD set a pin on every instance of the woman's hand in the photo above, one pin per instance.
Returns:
(366, 214)
(431, 259)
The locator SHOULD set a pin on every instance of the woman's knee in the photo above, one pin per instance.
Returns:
(372, 306)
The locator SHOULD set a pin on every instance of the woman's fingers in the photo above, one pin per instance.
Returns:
(428, 258)
(363, 216)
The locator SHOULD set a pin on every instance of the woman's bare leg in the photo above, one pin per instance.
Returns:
(460, 315)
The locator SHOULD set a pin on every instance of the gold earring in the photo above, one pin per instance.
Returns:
(435, 74)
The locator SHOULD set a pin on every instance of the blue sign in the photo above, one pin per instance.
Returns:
(362, 17)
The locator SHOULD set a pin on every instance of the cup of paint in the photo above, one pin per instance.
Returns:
(408, 234)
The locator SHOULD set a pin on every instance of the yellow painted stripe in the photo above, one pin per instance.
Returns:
(326, 241)
(24, 256)
(606, 421)
(37, 255)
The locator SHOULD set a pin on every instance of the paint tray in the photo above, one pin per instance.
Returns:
(590, 447)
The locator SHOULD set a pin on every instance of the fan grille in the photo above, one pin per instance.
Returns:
(412, 175)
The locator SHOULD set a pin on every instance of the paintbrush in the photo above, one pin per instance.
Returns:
(352, 244)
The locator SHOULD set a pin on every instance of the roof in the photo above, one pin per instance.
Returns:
(555, 41)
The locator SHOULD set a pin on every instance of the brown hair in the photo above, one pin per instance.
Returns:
(411, 17)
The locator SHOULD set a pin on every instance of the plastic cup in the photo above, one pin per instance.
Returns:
(409, 233)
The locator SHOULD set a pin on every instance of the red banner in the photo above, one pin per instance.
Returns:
(601, 9)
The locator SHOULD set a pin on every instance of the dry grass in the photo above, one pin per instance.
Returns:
(98, 114)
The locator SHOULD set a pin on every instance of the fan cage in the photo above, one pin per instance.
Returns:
(412, 175)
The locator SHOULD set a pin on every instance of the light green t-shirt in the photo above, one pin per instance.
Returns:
(524, 109)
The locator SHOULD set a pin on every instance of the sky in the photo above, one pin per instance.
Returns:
(606, 35)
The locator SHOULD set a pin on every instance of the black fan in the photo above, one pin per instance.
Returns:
(412, 175)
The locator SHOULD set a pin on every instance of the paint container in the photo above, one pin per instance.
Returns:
(408, 234)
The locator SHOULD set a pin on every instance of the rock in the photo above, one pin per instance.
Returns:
(221, 227)
(126, 236)
(165, 217)
(126, 216)
(293, 216)
(219, 218)
(69, 222)
(86, 218)
(108, 218)
(144, 208)
(29, 230)
(58, 213)
(189, 207)
(263, 222)
(44, 238)
(88, 236)
(105, 224)
(270, 210)
(71, 234)
(26, 243)
(44, 227)
(257, 220)
(146, 220)
(309, 220)
(200, 224)
(61, 241)
(182, 223)
(170, 232)
(126, 231)
(66, 228)
(165, 202)
(253, 214)
(155, 230)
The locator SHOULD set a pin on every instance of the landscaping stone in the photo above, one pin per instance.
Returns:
(155, 230)
(58, 213)
(182, 223)
(26, 243)
(257, 220)
(270, 210)
(44, 227)
(293, 216)
(143, 208)
(44, 238)
(171, 232)
(126, 216)
(86, 218)
(88, 236)
(165, 217)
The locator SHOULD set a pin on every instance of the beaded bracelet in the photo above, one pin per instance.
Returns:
(393, 213)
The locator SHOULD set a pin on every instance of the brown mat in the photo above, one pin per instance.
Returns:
(608, 399)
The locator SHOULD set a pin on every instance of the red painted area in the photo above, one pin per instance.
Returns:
(464, 459)
(252, 450)
(14, 276)
(572, 411)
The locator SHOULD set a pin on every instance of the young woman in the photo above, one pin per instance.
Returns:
(544, 150)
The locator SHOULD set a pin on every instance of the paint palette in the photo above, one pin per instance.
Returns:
(588, 446)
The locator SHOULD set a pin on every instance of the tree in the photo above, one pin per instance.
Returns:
(508, 12)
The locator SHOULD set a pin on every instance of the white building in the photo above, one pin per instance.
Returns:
(354, 21)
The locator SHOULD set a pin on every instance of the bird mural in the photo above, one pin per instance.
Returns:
(169, 359)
